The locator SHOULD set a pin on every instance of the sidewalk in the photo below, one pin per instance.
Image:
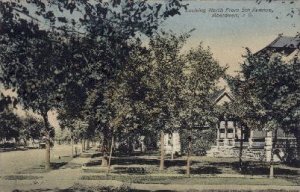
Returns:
(61, 178)
(191, 188)
(71, 173)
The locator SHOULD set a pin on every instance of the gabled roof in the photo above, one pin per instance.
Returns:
(217, 94)
(220, 94)
(285, 45)
(285, 42)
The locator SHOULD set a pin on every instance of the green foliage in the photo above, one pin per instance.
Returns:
(202, 74)
(31, 128)
(165, 80)
(267, 92)
(13, 126)
(30, 66)
(10, 123)
(202, 140)
(50, 63)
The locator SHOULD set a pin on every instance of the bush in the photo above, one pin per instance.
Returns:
(7, 145)
(202, 140)
(83, 188)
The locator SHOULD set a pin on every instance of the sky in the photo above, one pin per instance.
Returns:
(227, 37)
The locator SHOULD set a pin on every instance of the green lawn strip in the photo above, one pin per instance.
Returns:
(21, 177)
(295, 180)
(55, 164)
(177, 166)
(169, 179)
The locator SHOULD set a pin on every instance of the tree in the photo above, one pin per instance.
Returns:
(238, 110)
(165, 84)
(71, 114)
(272, 89)
(38, 49)
(292, 98)
(113, 106)
(9, 121)
(202, 73)
(31, 65)
(10, 125)
(31, 128)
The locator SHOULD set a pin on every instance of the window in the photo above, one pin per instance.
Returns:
(229, 130)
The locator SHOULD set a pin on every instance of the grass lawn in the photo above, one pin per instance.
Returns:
(199, 166)
(55, 164)
(204, 170)
(194, 180)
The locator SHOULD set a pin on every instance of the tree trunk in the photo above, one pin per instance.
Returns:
(241, 149)
(72, 146)
(188, 161)
(87, 144)
(104, 162)
(82, 145)
(162, 151)
(47, 135)
(110, 153)
(47, 161)
(25, 142)
(172, 153)
(272, 154)
(297, 135)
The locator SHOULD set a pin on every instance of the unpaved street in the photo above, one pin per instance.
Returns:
(14, 161)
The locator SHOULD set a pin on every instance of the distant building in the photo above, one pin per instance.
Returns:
(172, 143)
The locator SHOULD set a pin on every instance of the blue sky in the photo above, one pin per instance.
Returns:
(227, 37)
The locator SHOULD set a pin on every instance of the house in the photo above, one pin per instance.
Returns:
(288, 47)
(257, 144)
(172, 143)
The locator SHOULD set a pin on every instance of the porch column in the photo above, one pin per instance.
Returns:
(218, 134)
(250, 140)
(225, 134)
(234, 131)
(268, 145)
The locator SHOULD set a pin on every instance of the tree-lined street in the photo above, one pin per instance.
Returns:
(135, 103)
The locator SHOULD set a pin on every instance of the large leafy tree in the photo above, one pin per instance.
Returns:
(272, 88)
(114, 106)
(202, 73)
(10, 126)
(31, 128)
(32, 65)
(70, 114)
(165, 82)
(241, 111)
(9, 121)
(293, 103)
(34, 34)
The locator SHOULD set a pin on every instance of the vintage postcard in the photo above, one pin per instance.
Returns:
(149, 95)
